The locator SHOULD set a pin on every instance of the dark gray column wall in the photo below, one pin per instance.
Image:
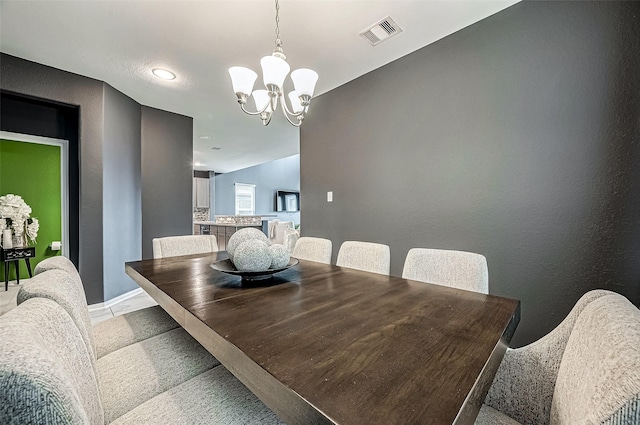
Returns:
(122, 203)
(517, 137)
(112, 155)
(167, 176)
(32, 79)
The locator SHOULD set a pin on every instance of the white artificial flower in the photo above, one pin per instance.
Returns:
(13, 207)
(32, 229)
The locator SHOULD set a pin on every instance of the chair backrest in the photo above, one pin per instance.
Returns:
(172, 246)
(599, 377)
(279, 228)
(45, 369)
(58, 263)
(313, 249)
(291, 237)
(63, 288)
(366, 256)
(458, 269)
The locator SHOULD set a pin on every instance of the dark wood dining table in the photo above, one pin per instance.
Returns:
(321, 344)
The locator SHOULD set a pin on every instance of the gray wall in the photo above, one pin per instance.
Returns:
(517, 138)
(122, 215)
(281, 174)
(167, 176)
(32, 79)
(120, 180)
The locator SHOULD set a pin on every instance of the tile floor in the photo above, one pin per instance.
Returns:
(8, 300)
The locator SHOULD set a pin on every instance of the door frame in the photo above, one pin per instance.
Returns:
(64, 175)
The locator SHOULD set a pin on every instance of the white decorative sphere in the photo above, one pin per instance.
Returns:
(279, 256)
(252, 255)
(242, 235)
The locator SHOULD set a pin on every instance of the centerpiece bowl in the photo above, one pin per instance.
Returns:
(226, 266)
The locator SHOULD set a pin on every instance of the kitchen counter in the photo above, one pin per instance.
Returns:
(213, 223)
(223, 231)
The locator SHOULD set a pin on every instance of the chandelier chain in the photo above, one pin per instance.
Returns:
(278, 41)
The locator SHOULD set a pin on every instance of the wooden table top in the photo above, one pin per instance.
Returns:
(324, 344)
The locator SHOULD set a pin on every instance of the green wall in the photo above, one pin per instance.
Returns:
(33, 171)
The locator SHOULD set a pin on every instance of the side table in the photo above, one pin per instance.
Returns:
(14, 255)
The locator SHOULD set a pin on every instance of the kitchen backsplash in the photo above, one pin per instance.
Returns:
(201, 214)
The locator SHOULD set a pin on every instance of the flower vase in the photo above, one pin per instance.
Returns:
(7, 239)
(19, 241)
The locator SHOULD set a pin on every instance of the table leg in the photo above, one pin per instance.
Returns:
(28, 267)
(6, 276)
(16, 264)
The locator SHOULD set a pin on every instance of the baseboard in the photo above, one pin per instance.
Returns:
(114, 301)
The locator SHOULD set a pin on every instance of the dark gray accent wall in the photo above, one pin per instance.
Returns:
(121, 191)
(32, 79)
(517, 137)
(281, 174)
(167, 176)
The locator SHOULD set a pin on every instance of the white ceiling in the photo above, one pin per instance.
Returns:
(119, 42)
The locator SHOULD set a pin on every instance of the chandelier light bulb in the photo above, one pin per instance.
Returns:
(262, 99)
(242, 79)
(274, 71)
(304, 81)
(296, 106)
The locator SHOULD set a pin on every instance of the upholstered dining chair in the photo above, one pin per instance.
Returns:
(366, 256)
(585, 371)
(458, 269)
(313, 249)
(106, 336)
(172, 246)
(277, 230)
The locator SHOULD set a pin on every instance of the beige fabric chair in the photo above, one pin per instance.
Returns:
(106, 336)
(291, 237)
(458, 269)
(47, 377)
(313, 249)
(277, 231)
(135, 373)
(585, 371)
(366, 256)
(172, 246)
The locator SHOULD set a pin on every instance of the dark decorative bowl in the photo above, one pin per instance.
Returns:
(226, 266)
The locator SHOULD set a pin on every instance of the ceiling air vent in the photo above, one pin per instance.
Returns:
(381, 31)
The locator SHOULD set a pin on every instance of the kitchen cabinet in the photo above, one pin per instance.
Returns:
(201, 192)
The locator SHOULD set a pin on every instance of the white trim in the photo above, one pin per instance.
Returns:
(64, 175)
(114, 301)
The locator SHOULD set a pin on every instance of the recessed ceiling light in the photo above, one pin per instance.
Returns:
(205, 137)
(163, 73)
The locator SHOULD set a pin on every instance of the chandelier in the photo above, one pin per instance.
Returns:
(274, 71)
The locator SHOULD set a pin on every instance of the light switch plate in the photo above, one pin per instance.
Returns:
(329, 196)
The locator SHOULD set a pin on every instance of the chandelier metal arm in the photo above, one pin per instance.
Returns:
(287, 114)
(254, 113)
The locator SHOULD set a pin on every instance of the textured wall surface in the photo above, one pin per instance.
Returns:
(167, 176)
(517, 137)
(43, 82)
(283, 174)
(122, 203)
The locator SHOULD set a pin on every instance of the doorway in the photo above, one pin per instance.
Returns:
(36, 168)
